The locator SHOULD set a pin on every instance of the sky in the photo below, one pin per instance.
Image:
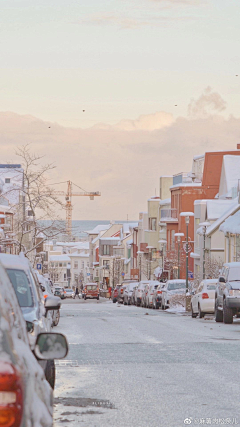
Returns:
(158, 80)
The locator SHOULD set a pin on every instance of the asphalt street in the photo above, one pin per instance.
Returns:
(133, 367)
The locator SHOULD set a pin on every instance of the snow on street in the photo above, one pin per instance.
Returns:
(129, 369)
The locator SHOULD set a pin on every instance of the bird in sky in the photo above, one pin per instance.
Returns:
(236, 75)
(175, 105)
(83, 111)
(49, 127)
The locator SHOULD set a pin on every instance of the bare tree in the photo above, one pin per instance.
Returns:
(36, 201)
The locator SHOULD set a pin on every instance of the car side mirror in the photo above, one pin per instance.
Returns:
(52, 303)
(43, 288)
(222, 279)
(51, 346)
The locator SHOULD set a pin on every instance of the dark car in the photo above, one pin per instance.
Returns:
(227, 294)
(26, 396)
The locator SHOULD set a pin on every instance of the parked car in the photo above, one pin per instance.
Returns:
(139, 292)
(47, 292)
(144, 295)
(173, 287)
(59, 291)
(157, 296)
(122, 288)
(69, 293)
(127, 294)
(91, 290)
(26, 396)
(203, 300)
(227, 295)
(34, 307)
(134, 294)
(115, 293)
(153, 284)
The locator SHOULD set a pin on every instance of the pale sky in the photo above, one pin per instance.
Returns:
(127, 63)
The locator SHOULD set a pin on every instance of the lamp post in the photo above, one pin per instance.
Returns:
(179, 235)
(150, 260)
(187, 216)
(204, 226)
(140, 264)
(163, 242)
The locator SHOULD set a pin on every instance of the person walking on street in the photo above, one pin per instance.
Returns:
(110, 292)
(76, 292)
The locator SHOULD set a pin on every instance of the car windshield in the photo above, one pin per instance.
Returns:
(91, 287)
(176, 285)
(21, 286)
(234, 274)
(211, 287)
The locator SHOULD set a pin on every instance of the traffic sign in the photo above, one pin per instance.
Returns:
(39, 266)
(190, 274)
(123, 274)
(88, 274)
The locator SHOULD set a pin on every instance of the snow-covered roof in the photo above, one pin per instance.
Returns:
(79, 255)
(186, 184)
(234, 208)
(98, 228)
(109, 238)
(165, 202)
(128, 225)
(217, 207)
(231, 224)
(230, 175)
(59, 258)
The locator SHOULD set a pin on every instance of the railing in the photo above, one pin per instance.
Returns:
(169, 214)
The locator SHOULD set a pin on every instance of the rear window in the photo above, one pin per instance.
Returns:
(211, 287)
(91, 287)
(21, 287)
(173, 286)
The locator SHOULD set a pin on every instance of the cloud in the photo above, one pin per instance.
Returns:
(147, 122)
(129, 22)
(208, 102)
(124, 164)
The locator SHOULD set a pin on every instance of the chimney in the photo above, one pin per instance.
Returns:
(238, 146)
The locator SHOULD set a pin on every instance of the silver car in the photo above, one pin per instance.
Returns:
(26, 395)
(34, 307)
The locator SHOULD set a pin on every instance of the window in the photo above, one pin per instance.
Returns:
(64, 264)
(60, 264)
(87, 264)
(7, 180)
(106, 250)
(65, 276)
(22, 287)
(105, 263)
(153, 224)
(82, 264)
(75, 265)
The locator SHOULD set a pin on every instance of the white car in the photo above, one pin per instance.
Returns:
(127, 293)
(139, 293)
(203, 300)
(153, 284)
(172, 289)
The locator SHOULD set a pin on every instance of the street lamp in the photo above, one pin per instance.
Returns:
(150, 260)
(204, 226)
(187, 216)
(179, 235)
(140, 264)
(163, 242)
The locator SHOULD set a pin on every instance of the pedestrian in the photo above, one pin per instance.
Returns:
(76, 292)
(110, 292)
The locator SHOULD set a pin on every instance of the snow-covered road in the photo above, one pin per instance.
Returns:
(127, 368)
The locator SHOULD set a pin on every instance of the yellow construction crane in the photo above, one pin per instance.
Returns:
(69, 207)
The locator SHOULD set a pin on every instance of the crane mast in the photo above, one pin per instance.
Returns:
(69, 206)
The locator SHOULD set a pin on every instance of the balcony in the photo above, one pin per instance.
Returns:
(169, 215)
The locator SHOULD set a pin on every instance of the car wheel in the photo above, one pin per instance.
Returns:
(125, 303)
(227, 313)
(50, 373)
(201, 314)
(218, 313)
(163, 306)
(153, 305)
(194, 315)
(114, 300)
(57, 318)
